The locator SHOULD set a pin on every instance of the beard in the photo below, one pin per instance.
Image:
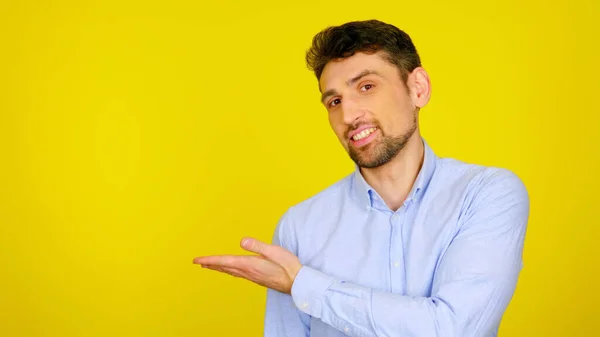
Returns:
(381, 152)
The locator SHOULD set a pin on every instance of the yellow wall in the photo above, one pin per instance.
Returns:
(136, 136)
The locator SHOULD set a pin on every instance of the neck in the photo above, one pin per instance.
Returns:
(394, 180)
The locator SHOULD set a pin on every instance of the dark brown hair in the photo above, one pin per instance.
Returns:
(371, 36)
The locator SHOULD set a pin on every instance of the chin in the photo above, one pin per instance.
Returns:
(366, 161)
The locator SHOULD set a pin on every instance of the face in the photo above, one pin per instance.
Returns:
(370, 109)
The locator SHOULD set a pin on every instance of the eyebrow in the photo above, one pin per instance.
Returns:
(332, 92)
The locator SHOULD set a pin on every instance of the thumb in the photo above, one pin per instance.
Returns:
(274, 253)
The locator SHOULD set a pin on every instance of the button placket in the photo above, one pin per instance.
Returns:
(396, 253)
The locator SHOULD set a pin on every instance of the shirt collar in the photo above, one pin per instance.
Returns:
(365, 193)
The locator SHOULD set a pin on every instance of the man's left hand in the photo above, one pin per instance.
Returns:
(274, 267)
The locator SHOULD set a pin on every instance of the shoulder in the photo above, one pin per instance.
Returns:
(317, 205)
(480, 180)
(487, 192)
(323, 200)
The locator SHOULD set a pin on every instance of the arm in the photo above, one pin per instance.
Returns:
(282, 318)
(471, 290)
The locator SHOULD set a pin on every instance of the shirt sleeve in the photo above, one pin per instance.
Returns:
(282, 318)
(472, 286)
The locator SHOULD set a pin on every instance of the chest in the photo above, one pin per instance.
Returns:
(388, 251)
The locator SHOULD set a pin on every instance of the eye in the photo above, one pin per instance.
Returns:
(335, 102)
(366, 87)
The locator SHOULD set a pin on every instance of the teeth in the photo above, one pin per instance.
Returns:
(363, 134)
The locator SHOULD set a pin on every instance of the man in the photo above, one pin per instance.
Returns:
(409, 244)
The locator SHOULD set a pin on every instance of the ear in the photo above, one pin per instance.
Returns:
(420, 87)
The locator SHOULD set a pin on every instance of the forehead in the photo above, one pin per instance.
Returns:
(336, 73)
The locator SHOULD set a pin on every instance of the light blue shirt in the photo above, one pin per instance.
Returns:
(445, 264)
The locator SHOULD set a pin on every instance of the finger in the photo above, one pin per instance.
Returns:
(227, 270)
(258, 279)
(220, 260)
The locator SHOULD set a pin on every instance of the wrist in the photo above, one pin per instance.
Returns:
(292, 275)
(308, 289)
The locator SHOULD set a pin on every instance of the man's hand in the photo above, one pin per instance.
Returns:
(274, 267)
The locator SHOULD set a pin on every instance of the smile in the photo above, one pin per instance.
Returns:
(363, 134)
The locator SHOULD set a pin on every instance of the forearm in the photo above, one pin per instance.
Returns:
(360, 311)
(363, 312)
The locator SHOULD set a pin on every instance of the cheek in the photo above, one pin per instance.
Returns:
(334, 121)
(402, 115)
(338, 127)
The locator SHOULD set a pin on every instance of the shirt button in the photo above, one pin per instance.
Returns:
(346, 329)
(304, 305)
(396, 264)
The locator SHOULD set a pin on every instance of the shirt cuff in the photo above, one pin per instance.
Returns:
(308, 290)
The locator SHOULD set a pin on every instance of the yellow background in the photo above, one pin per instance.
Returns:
(137, 135)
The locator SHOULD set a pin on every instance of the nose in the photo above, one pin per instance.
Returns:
(351, 111)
